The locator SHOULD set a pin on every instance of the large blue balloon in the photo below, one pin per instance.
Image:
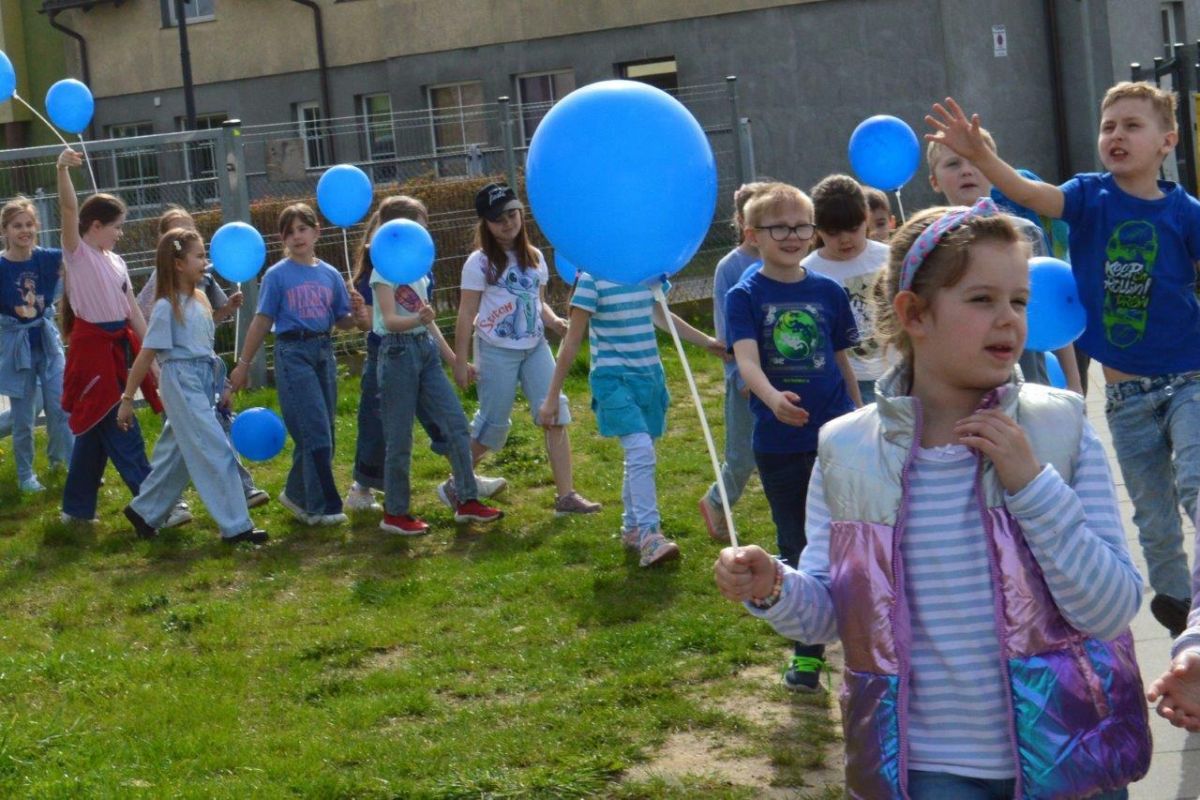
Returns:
(884, 152)
(1056, 315)
(70, 105)
(237, 251)
(622, 181)
(344, 194)
(8, 78)
(258, 434)
(1055, 371)
(565, 269)
(402, 251)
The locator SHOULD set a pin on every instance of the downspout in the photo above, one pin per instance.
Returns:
(322, 69)
(83, 57)
(1056, 89)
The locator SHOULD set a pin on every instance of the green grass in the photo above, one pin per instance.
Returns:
(532, 658)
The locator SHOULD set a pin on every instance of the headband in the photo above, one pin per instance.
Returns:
(932, 236)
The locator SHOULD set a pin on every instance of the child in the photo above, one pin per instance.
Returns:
(848, 256)
(31, 351)
(1177, 691)
(411, 380)
(879, 215)
(962, 183)
(739, 454)
(965, 546)
(790, 329)
(1133, 251)
(503, 298)
(192, 443)
(303, 297)
(629, 393)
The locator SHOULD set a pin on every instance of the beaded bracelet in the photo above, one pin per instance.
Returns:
(764, 603)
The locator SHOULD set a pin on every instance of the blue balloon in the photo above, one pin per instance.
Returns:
(884, 152)
(1055, 371)
(8, 78)
(344, 194)
(622, 156)
(70, 105)
(1055, 313)
(566, 270)
(237, 251)
(258, 434)
(402, 251)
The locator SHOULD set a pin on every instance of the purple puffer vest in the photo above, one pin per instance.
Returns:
(1078, 715)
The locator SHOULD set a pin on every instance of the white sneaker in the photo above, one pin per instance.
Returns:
(297, 512)
(66, 518)
(330, 519)
(447, 494)
(179, 516)
(361, 499)
(32, 486)
(487, 487)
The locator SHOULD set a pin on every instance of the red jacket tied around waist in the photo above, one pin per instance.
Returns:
(96, 373)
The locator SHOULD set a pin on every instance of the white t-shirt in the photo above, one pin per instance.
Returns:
(857, 276)
(410, 297)
(510, 310)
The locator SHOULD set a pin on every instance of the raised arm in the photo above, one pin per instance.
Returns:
(68, 203)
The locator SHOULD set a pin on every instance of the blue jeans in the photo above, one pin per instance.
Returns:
(739, 449)
(500, 370)
(866, 390)
(306, 382)
(411, 382)
(1155, 425)
(638, 491)
(43, 389)
(93, 449)
(944, 786)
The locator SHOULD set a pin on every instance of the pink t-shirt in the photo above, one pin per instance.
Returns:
(98, 284)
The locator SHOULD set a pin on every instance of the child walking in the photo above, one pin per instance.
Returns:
(1133, 253)
(629, 393)
(965, 545)
(791, 330)
(880, 220)
(31, 351)
(303, 297)
(503, 304)
(192, 444)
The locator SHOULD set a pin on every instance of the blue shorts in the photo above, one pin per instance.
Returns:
(627, 403)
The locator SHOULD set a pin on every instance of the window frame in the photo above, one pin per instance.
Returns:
(527, 135)
(139, 193)
(168, 13)
(304, 127)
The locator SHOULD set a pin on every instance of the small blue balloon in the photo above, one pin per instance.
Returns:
(566, 270)
(884, 152)
(402, 251)
(237, 251)
(8, 78)
(1055, 314)
(258, 434)
(70, 105)
(1055, 371)
(344, 194)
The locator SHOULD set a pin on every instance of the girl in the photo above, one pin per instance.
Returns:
(964, 543)
(503, 294)
(192, 442)
(31, 351)
(303, 297)
(629, 393)
(411, 382)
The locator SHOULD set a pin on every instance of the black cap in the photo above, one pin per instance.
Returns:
(494, 199)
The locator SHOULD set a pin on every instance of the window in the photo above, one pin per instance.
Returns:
(380, 135)
(536, 93)
(199, 163)
(1173, 29)
(457, 121)
(193, 11)
(312, 131)
(136, 168)
(660, 72)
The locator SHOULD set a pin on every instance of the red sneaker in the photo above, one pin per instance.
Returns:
(475, 511)
(404, 525)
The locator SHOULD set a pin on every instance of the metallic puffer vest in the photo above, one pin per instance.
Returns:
(1078, 718)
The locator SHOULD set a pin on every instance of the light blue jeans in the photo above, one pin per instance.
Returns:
(739, 447)
(944, 786)
(500, 370)
(1155, 425)
(46, 375)
(638, 492)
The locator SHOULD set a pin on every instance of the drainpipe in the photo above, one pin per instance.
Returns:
(1056, 89)
(323, 68)
(83, 57)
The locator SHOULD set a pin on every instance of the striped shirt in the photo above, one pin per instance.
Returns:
(98, 284)
(958, 720)
(621, 330)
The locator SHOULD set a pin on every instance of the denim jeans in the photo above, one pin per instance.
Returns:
(866, 390)
(43, 389)
(92, 451)
(500, 370)
(1155, 425)
(412, 382)
(739, 450)
(944, 786)
(638, 491)
(306, 383)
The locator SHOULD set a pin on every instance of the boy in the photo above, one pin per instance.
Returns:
(879, 215)
(850, 258)
(790, 330)
(1134, 243)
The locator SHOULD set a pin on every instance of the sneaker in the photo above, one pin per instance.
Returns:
(179, 516)
(489, 487)
(574, 503)
(32, 486)
(714, 519)
(330, 519)
(143, 529)
(475, 511)
(631, 537)
(447, 494)
(253, 536)
(256, 498)
(67, 519)
(360, 498)
(803, 674)
(297, 512)
(1171, 613)
(656, 548)
(404, 525)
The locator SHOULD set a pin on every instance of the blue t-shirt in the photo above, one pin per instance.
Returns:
(27, 288)
(177, 340)
(798, 328)
(303, 298)
(729, 271)
(1134, 262)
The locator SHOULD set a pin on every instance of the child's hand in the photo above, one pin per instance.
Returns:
(1177, 692)
(786, 407)
(718, 349)
(224, 401)
(963, 136)
(548, 413)
(1000, 438)
(356, 301)
(472, 373)
(235, 301)
(744, 572)
(462, 373)
(69, 158)
(559, 326)
(237, 379)
(125, 414)
(426, 314)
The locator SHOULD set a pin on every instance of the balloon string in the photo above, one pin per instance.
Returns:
(237, 324)
(53, 129)
(346, 251)
(708, 439)
(88, 161)
(900, 203)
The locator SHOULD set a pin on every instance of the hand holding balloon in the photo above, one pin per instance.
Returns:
(69, 158)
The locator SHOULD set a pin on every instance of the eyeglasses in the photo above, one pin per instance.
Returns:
(780, 233)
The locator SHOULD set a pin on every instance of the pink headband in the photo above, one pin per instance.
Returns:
(931, 236)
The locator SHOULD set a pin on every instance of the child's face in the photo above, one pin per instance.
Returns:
(507, 227)
(192, 263)
(879, 225)
(779, 247)
(300, 239)
(958, 179)
(844, 245)
(21, 231)
(1133, 141)
(106, 236)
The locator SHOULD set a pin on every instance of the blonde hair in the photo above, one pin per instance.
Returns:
(19, 204)
(741, 196)
(171, 216)
(1161, 101)
(172, 246)
(772, 197)
(935, 150)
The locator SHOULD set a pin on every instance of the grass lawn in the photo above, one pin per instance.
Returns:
(532, 658)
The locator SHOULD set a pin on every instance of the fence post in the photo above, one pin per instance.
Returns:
(510, 157)
(235, 207)
(735, 127)
(746, 148)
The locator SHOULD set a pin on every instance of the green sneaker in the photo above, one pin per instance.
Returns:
(803, 674)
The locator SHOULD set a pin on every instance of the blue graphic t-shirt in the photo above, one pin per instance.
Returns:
(798, 328)
(301, 297)
(1134, 262)
(28, 287)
